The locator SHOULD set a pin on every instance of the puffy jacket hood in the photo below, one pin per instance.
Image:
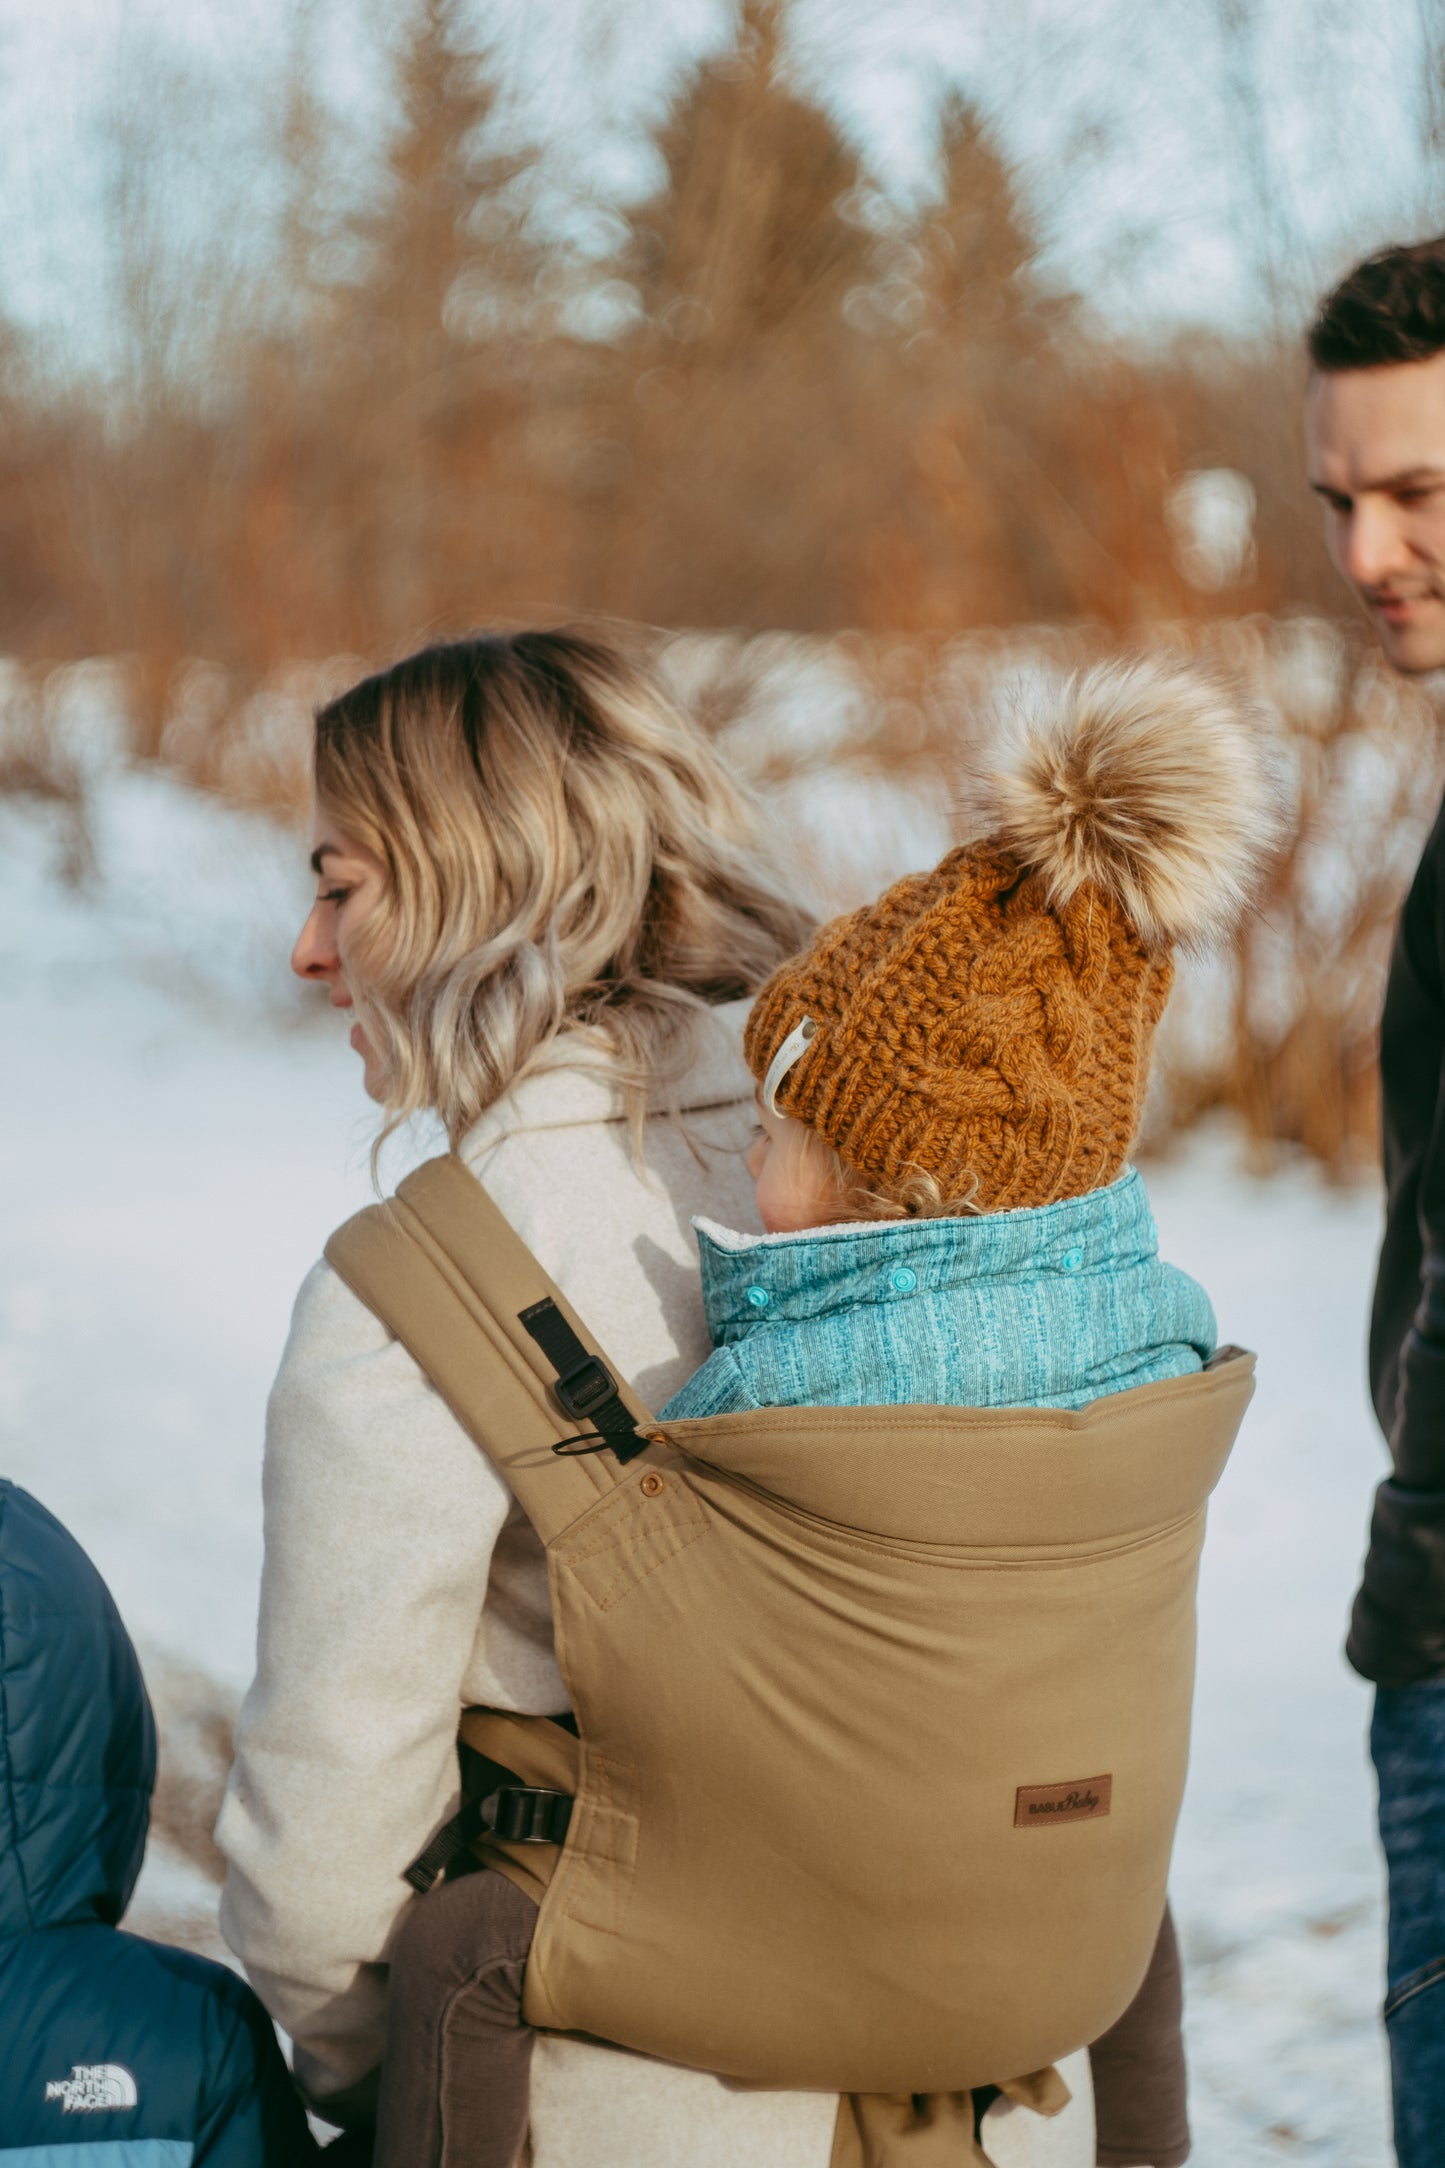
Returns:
(77, 1738)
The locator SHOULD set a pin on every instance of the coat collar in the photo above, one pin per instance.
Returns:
(573, 1082)
(752, 1281)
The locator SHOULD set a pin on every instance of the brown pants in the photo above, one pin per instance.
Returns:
(1140, 2101)
(454, 2087)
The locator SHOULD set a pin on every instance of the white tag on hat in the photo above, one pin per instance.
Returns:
(792, 1050)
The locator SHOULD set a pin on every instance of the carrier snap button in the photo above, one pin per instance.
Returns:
(905, 1279)
(651, 1484)
(1071, 1260)
(759, 1297)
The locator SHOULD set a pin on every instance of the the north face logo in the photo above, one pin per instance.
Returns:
(94, 2085)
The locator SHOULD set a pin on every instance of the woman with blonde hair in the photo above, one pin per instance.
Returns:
(546, 905)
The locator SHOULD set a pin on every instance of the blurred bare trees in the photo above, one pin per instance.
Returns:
(398, 382)
(776, 398)
(734, 471)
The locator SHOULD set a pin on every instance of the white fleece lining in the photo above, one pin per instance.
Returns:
(729, 1238)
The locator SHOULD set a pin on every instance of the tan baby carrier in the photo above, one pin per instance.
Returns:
(882, 1713)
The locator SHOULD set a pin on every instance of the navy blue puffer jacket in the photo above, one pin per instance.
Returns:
(114, 2052)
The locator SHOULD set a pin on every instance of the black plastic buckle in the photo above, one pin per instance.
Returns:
(587, 1388)
(526, 1814)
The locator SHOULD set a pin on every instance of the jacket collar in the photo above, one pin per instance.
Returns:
(574, 1082)
(750, 1282)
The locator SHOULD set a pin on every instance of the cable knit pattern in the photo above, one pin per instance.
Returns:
(989, 1024)
(970, 1031)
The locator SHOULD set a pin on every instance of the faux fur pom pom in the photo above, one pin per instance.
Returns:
(1148, 779)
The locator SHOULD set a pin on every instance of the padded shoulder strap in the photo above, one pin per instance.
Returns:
(446, 1272)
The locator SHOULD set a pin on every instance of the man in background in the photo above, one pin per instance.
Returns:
(1375, 429)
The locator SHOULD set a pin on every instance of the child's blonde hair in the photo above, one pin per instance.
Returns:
(916, 1195)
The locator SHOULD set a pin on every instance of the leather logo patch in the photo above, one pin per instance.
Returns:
(1084, 1800)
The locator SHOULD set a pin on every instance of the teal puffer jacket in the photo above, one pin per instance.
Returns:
(1050, 1308)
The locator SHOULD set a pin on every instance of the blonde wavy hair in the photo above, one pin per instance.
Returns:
(564, 849)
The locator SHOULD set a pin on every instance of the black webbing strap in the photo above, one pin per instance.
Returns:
(585, 1387)
(517, 1813)
(449, 1842)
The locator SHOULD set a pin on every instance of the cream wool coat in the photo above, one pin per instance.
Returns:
(402, 1584)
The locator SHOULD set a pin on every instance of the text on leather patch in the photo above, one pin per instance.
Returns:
(1085, 1799)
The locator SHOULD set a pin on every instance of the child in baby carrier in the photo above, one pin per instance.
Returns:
(950, 1084)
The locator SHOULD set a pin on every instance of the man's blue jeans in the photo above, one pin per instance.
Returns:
(1407, 1740)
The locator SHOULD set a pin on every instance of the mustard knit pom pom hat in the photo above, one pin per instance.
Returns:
(990, 1024)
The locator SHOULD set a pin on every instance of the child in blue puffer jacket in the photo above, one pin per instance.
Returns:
(950, 1085)
(112, 2049)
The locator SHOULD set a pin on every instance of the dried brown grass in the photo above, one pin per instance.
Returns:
(816, 413)
(39, 762)
(195, 1720)
(1282, 1030)
(1292, 1049)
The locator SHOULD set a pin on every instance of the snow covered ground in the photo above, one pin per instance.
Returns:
(178, 1138)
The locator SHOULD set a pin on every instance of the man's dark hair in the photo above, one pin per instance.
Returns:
(1390, 308)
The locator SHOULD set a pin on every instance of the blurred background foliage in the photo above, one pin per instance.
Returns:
(769, 393)
(398, 368)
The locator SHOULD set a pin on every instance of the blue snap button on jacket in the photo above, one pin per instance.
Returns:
(759, 1297)
(905, 1279)
(1072, 1260)
(112, 2048)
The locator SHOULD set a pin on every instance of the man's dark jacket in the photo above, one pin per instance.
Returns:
(1397, 1634)
(111, 2048)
